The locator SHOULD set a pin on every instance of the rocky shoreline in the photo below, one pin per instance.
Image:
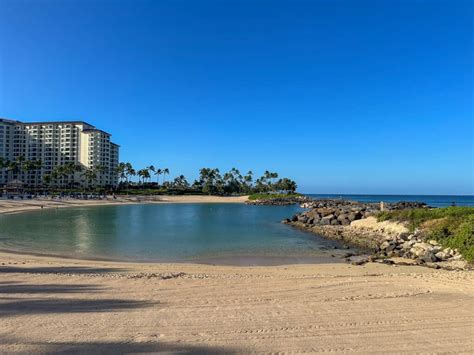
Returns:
(354, 223)
(280, 201)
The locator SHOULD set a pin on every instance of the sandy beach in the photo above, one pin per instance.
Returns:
(15, 206)
(61, 305)
(50, 304)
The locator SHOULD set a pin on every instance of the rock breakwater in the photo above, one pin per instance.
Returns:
(279, 201)
(355, 223)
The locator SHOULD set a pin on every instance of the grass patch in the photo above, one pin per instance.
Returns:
(453, 227)
(265, 196)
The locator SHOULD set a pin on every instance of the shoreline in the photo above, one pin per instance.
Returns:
(53, 304)
(236, 261)
(19, 206)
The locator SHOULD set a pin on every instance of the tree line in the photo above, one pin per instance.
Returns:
(61, 176)
(210, 181)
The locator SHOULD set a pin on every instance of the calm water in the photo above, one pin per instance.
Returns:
(216, 233)
(431, 200)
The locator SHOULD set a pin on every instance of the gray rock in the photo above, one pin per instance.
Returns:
(441, 255)
(341, 217)
(345, 222)
(335, 222)
(403, 236)
(325, 221)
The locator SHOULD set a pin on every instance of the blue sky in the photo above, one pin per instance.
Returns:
(342, 96)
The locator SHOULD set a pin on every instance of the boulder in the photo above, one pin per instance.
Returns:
(442, 256)
(345, 222)
(302, 218)
(324, 212)
(335, 222)
(354, 216)
(403, 236)
(325, 221)
(342, 217)
(313, 214)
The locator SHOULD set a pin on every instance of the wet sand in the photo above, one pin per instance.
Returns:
(64, 305)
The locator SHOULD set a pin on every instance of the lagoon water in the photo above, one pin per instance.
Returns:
(211, 233)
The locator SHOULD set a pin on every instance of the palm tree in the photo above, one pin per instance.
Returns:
(28, 166)
(165, 171)
(152, 169)
(158, 172)
(38, 165)
(180, 183)
(3, 164)
(121, 171)
(47, 179)
(248, 179)
(90, 175)
(69, 171)
(129, 171)
(12, 169)
(60, 172)
(21, 161)
(143, 174)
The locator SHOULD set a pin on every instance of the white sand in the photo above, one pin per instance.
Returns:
(64, 305)
(14, 206)
(51, 304)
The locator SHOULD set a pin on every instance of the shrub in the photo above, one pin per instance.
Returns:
(452, 226)
(262, 196)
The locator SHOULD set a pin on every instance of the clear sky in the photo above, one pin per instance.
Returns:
(342, 96)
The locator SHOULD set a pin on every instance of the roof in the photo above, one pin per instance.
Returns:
(6, 120)
(57, 122)
(95, 130)
(91, 129)
(45, 122)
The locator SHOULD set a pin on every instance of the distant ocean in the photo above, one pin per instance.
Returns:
(431, 200)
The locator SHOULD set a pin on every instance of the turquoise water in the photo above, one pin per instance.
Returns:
(431, 200)
(215, 233)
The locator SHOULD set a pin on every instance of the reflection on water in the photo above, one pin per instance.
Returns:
(165, 232)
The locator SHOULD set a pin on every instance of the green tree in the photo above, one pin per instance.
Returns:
(143, 174)
(158, 172)
(90, 174)
(151, 170)
(285, 185)
(165, 172)
(129, 172)
(121, 171)
(211, 181)
(180, 183)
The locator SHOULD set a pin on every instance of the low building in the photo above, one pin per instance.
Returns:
(55, 144)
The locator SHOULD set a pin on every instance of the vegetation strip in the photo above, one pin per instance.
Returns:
(452, 227)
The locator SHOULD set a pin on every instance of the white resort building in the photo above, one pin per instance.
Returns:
(54, 144)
